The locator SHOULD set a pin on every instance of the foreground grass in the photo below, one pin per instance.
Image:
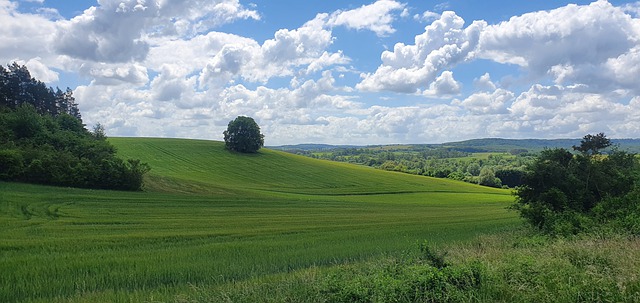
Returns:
(60, 243)
(214, 226)
(511, 266)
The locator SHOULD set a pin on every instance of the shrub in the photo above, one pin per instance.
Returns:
(488, 178)
(426, 277)
(11, 164)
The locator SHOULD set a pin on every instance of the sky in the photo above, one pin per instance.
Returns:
(338, 72)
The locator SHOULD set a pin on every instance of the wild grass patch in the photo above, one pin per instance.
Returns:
(508, 266)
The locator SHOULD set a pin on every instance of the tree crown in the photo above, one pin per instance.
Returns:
(243, 135)
(592, 144)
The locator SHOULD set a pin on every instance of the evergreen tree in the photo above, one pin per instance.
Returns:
(17, 87)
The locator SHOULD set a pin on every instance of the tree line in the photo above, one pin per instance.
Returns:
(43, 139)
(559, 191)
(568, 193)
(495, 170)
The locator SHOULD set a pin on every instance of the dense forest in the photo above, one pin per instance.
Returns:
(43, 139)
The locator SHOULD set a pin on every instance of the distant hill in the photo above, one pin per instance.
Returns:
(505, 145)
(532, 145)
(310, 147)
(478, 145)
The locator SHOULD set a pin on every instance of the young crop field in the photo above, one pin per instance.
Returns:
(209, 217)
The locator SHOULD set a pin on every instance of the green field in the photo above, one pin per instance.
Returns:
(209, 217)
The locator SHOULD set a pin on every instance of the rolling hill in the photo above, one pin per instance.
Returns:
(210, 217)
(179, 163)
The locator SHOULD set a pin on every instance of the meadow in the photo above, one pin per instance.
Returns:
(209, 217)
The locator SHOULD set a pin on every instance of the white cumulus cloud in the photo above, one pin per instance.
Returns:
(376, 17)
(444, 86)
(23, 36)
(40, 71)
(117, 30)
(596, 45)
(116, 74)
(408, 68)
(488, 103)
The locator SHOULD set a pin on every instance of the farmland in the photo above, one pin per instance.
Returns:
(209, 217)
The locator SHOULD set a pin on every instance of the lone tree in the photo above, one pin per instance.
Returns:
(243, 135)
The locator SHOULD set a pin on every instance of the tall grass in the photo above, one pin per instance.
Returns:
(506, 266)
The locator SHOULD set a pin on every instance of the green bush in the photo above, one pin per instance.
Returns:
(11, 164)
(425, 277)
(435, 258)
(488, 178)
(620, 213)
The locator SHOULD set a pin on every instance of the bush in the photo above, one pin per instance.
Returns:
(488, 178)
(426, 277)
(620, 213)
(11, 164)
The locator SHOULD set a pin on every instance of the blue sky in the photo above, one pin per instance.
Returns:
(338, 72)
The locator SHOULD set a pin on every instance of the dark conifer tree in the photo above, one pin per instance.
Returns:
(17, 87)
(72, 107)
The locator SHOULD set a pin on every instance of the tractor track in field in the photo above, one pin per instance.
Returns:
(405, 192)
(173, 155)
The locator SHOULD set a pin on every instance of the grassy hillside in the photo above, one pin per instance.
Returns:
(207, 163)
(210, 217)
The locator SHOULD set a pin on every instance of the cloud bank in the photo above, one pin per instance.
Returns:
(169, 68)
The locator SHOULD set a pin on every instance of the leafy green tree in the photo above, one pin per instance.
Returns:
(591, 145)
(510, 177)
(70, 123)
(243, 135)
(10, 164)
(547, 186)
(487, 177)
(474, 169)
(25, 123)
(99, 133)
